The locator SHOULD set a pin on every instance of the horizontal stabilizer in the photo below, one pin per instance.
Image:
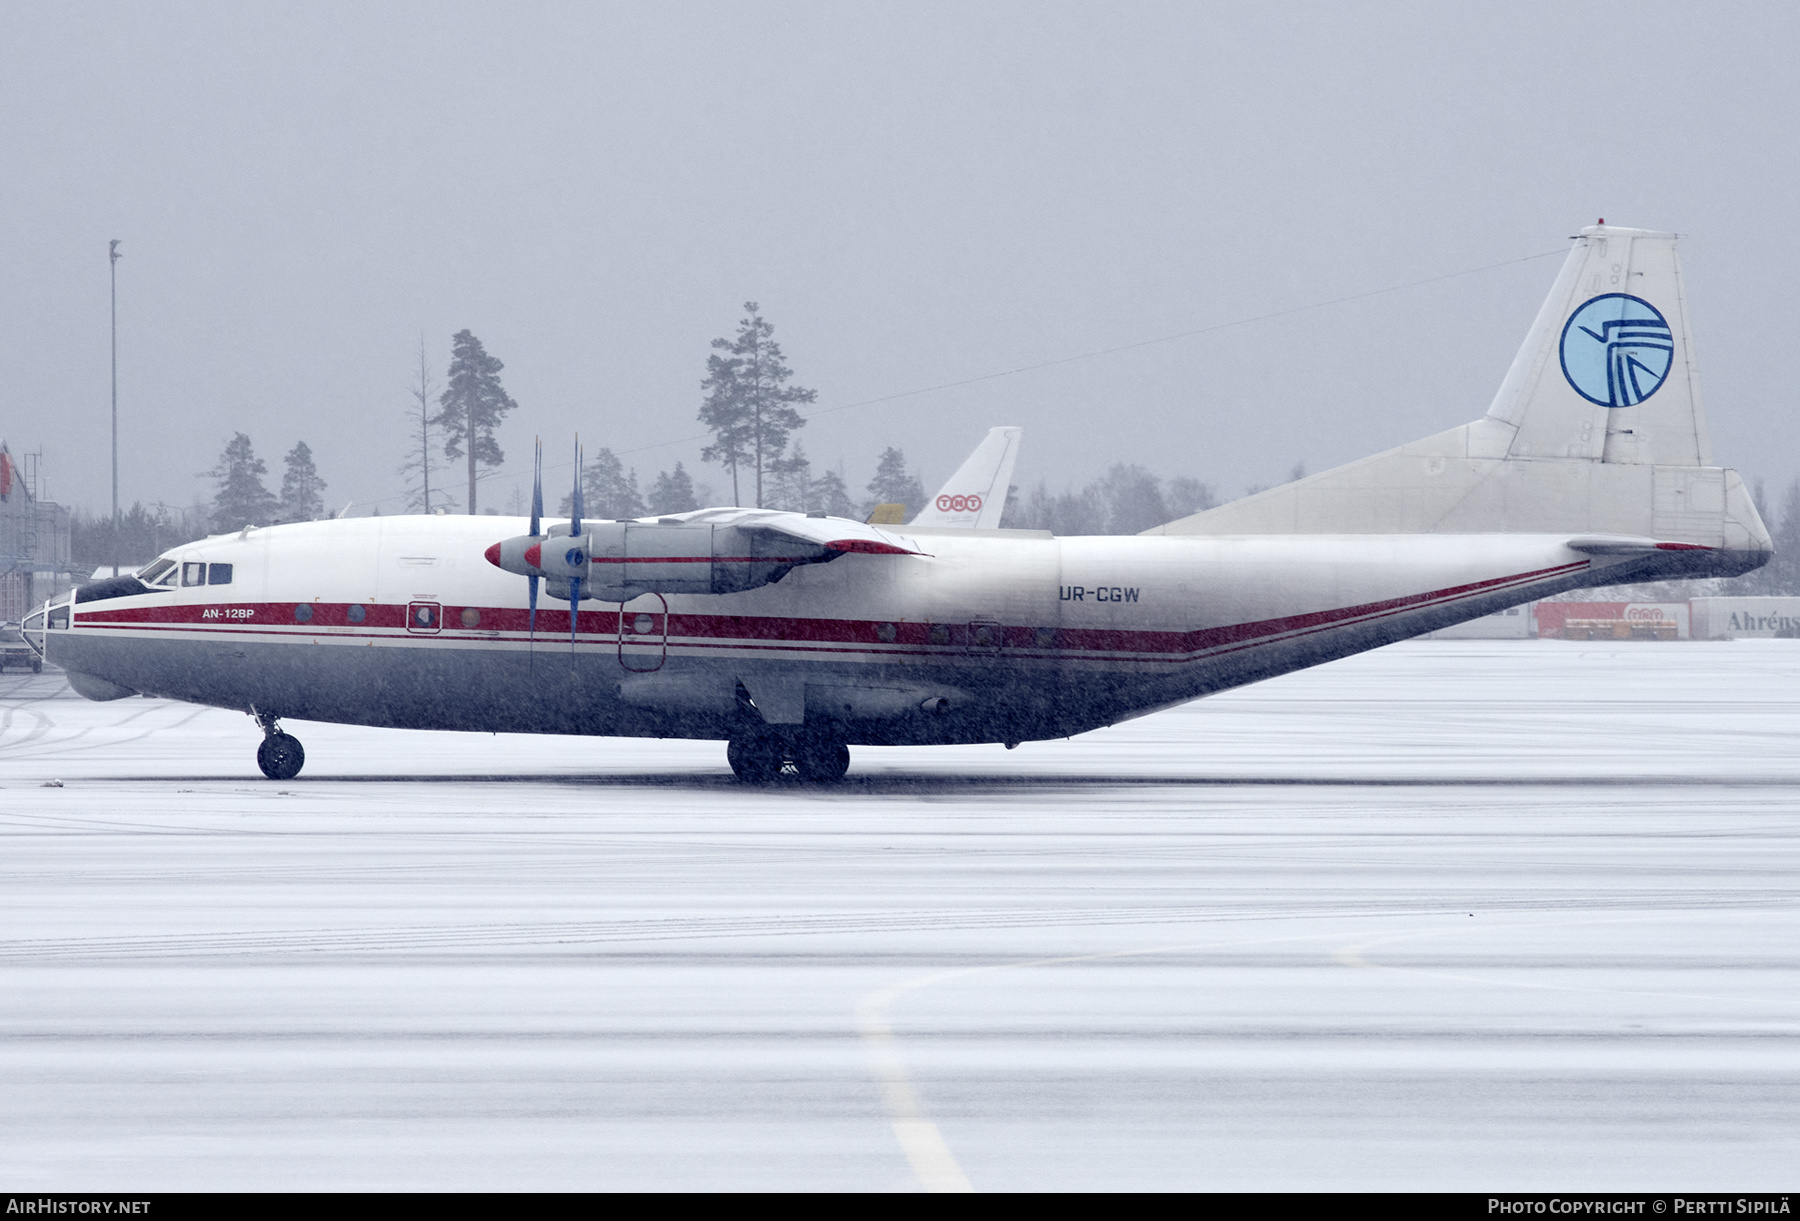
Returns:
(1625, 544)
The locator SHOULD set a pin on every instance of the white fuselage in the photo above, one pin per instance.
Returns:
(982, 636)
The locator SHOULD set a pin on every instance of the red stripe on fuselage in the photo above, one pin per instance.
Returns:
(389, 622)
(701, 559)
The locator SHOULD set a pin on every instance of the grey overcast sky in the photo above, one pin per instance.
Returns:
(916, 194)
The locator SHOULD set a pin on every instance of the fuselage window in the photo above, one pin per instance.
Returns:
(193, 573)
(219, 575)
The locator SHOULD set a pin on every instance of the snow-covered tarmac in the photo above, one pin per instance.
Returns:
(1452, 915)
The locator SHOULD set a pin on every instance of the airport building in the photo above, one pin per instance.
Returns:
(34, 538)
(1698, 619)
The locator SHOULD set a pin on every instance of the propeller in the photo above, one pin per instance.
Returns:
(537, 513)
(574, 537)
(525, 554)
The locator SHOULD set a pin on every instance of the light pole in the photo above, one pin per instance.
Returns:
(113, 267)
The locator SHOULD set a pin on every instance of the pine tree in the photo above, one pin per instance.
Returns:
(1188, 496)
(1066, 513)
(750, 408)
(894, 485)
(830, 495)
(1134, 500)
(142, 534)
(472, 407)
(301, 487)
(673, 492)
(241, 500)
(607, 491)
(790, 482)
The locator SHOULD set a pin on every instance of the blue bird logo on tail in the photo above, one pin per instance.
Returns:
(1617, 349)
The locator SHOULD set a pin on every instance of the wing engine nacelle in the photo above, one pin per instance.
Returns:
(619, 560)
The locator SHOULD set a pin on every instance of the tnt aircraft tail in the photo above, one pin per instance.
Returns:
(976, 495)
(1598, 429)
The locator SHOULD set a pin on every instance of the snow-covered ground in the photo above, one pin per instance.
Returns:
(1453, 915)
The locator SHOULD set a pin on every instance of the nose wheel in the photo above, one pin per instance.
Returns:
(280, 756)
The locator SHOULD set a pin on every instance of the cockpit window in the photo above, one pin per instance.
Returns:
(149, 575)
(193, 572)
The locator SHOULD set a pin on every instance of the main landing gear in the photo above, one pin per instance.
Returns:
(280, 756)
(762, 758)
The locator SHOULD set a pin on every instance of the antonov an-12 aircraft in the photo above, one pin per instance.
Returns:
(794, 636)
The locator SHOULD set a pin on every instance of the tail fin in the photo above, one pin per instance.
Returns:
(1598, 428)
(976, 495)
(1607, 372)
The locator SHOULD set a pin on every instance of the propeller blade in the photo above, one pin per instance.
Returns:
(574, 610)
(575, 522)
(537, 499)
(575, 534)
(531, 620)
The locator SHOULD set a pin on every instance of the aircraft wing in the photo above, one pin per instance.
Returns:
(831, 533)
(975, 496)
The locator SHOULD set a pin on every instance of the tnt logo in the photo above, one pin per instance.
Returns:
(959, 504)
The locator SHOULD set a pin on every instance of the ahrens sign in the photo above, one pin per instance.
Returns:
(1552, 616)
(1734, 618)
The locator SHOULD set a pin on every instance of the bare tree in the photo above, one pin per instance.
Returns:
(421, 458)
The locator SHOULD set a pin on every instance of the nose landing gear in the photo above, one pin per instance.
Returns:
(280, 756)
(762, 758)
